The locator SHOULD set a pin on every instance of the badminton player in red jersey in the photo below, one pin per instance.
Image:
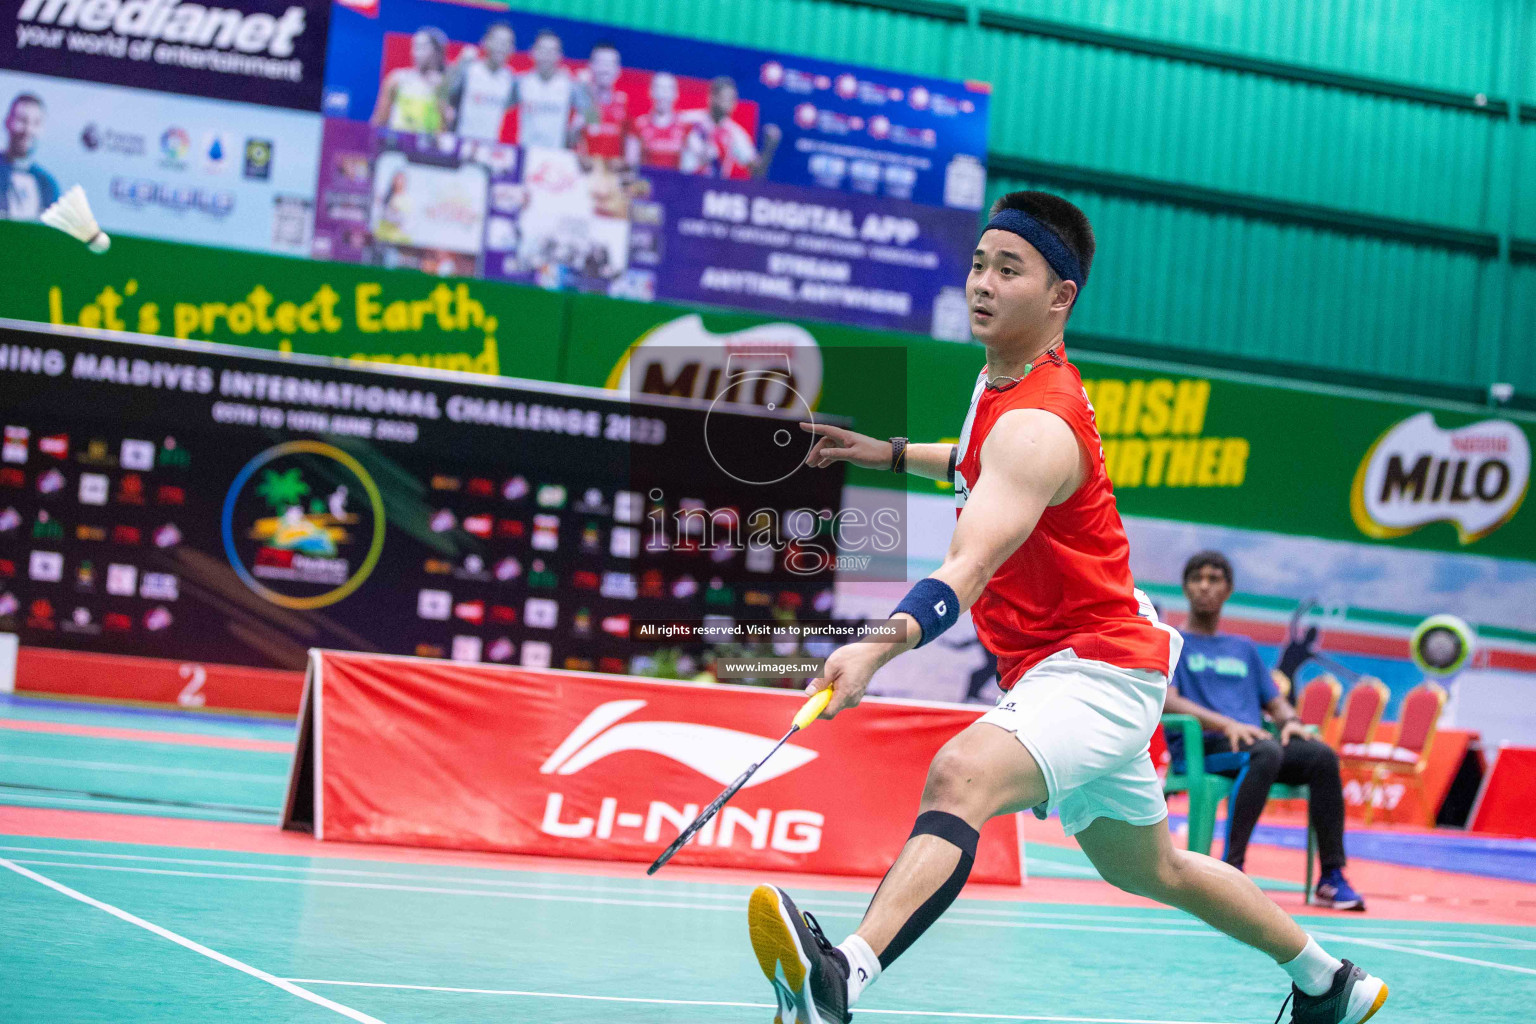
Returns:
(1040, 558)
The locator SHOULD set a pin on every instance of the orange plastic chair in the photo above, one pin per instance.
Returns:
(1319, 700)
(1409, 756)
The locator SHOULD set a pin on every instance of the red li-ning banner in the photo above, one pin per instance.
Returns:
(477, 757)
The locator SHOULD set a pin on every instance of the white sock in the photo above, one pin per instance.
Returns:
(1312, 970)
(863, 965)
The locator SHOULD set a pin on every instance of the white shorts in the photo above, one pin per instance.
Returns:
(1087, 724)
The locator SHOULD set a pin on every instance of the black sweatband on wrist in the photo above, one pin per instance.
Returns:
(933, 604)
(954, 460)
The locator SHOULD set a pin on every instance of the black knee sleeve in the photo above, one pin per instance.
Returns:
(957, 833)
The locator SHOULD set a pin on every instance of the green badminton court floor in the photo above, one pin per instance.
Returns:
(93, 931)
(96, 931)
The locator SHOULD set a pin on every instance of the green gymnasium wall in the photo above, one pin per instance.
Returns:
(1327, 186)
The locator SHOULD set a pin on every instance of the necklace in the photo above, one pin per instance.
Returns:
(993, 381)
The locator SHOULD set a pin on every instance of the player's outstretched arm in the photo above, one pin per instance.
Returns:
(1030, 460)
(837, 444)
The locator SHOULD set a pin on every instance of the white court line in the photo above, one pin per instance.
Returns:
(1454, 938)
(1393, 947)
(966, 906)
(1459, 944)
(135, 769)
(956, 918)
(19, 798)
(755, 1006)
(1442, 932)
(196, 947)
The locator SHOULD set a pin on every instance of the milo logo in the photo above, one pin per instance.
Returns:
(1419, 473)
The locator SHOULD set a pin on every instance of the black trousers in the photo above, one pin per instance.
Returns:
(1300, 762)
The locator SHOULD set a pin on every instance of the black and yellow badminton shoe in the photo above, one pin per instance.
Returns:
(1354, 998)
(809, 974)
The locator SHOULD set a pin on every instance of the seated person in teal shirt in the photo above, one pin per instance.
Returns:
(1221, 681)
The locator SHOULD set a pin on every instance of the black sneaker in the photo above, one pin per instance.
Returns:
(809, 974)
(1354, 998)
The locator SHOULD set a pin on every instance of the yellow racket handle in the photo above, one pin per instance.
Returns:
(813, 708)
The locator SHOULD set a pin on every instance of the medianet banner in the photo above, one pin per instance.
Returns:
(251, 51)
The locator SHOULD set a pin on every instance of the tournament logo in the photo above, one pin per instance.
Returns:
(1419, 473)
(303, 524)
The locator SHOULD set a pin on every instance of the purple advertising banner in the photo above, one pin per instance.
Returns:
(812, 253)
(490, 71)
(543, 216)
(255, 51)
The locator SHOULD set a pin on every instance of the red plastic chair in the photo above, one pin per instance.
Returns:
(1319, 700)
(1363, 706)
(1409, 756)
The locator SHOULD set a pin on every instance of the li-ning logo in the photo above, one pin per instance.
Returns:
(718, 753)
(941, 607)
(1418, 473)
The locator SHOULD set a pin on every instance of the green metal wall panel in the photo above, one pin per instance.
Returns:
(1519, 355)
(1451, 44)
(1209, 284)
(1524, 219)
(1096, 108)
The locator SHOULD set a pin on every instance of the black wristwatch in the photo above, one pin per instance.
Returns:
(898, 454)
(954, 459)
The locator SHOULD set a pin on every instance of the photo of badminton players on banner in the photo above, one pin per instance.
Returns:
(624, 118)
(643, 99)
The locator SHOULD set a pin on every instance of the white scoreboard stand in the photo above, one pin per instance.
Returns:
(9, 644)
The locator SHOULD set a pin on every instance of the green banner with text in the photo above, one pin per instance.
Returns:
(281, 303)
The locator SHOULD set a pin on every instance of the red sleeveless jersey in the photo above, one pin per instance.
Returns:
(1069, 584)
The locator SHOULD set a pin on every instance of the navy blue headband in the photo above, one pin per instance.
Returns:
(1043, 239)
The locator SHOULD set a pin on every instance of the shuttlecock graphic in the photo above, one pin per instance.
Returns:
(71, 214)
